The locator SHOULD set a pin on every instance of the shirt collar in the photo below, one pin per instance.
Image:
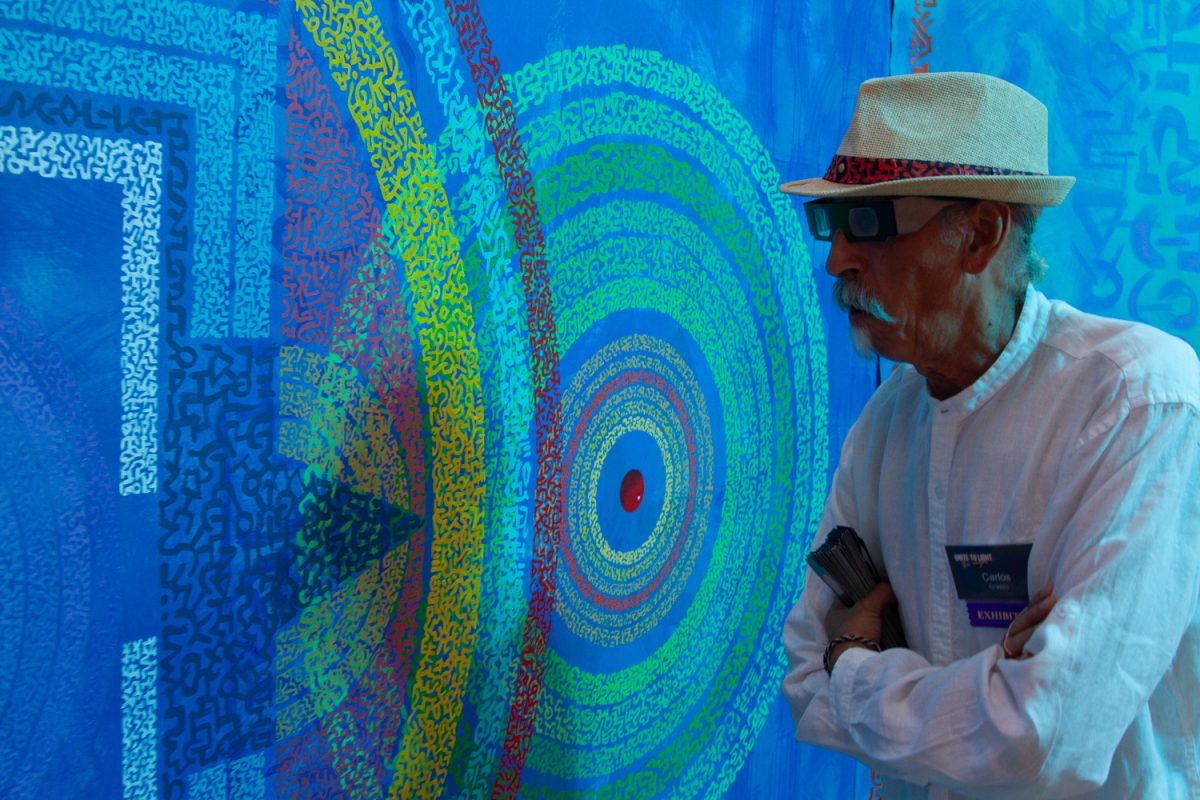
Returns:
(1031, 327)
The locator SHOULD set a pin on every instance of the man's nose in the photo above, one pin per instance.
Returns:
(843, 257)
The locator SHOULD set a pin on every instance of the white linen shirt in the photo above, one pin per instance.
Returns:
(1083, 439)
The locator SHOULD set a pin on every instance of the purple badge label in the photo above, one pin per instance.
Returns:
(994, 614)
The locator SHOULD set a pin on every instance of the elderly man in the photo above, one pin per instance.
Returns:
(1027, 446)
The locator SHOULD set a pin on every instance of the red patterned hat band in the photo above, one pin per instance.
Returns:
(857, 171)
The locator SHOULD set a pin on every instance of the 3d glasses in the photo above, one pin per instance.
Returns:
(861, 220)
(872, 219)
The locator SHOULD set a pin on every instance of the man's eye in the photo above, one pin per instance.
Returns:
(863, 222)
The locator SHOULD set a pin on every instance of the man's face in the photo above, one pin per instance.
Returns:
(901, 291)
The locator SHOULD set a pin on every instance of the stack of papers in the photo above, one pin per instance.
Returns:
(846, 567)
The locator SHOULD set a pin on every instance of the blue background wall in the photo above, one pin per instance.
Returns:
(332, 334)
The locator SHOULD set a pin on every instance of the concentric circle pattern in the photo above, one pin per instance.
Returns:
(414, 400)
(692, 353)
(645, 414)
(634, 403)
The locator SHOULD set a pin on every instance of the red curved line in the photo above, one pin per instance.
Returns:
(492, 92)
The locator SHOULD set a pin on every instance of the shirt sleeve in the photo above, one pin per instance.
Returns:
(806, 686)
(1126, 575)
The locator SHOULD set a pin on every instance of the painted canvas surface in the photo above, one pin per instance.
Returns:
(1122, 82)
(410, 400)
(406, 399)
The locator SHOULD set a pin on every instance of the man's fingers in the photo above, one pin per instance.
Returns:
(865, 616)
(879, 597)
(837, 617)
(1022, 628)
(1016, 642)
(1045, 592)
(1032, 616)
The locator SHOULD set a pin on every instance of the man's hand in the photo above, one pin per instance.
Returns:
(1022, 628)
(864, 619)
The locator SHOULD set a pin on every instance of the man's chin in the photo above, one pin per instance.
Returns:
(861, 339)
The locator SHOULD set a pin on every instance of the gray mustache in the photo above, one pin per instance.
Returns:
(853, 296)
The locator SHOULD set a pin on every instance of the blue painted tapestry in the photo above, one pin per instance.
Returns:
(406, 399)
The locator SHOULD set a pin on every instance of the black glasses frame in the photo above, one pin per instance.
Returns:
(836, 213)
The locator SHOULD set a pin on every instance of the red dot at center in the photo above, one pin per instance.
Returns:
(633, 486)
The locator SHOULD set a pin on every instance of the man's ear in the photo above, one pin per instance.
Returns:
(987, 225)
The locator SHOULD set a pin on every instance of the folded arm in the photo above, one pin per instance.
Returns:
(1127, 579)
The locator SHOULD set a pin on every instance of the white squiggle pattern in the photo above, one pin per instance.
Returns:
(139, 669)
(137, 168)
(211, 783)
(233, 102)
(246, 777)
(230, 780)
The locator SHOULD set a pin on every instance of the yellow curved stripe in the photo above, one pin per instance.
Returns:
(366, 68)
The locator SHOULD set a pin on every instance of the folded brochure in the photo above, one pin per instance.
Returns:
(845, 565)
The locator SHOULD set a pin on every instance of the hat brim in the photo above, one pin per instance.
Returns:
(1037, 190)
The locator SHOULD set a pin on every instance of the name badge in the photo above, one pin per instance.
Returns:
(992, 580)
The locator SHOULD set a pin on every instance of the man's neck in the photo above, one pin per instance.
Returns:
(983, 337)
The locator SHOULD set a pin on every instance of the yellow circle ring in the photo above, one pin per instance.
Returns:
(365, 66)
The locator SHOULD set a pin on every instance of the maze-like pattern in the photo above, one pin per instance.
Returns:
(139, 709)
(231, 270)
(327, 544)
(417, 216)
(228, 506)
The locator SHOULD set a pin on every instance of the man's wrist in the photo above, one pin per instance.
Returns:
(840, 644)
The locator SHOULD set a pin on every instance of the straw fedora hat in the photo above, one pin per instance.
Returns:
(945, 134)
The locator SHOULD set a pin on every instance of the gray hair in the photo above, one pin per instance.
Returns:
(1026, 264)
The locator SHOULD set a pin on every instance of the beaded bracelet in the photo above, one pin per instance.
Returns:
(835, 641)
